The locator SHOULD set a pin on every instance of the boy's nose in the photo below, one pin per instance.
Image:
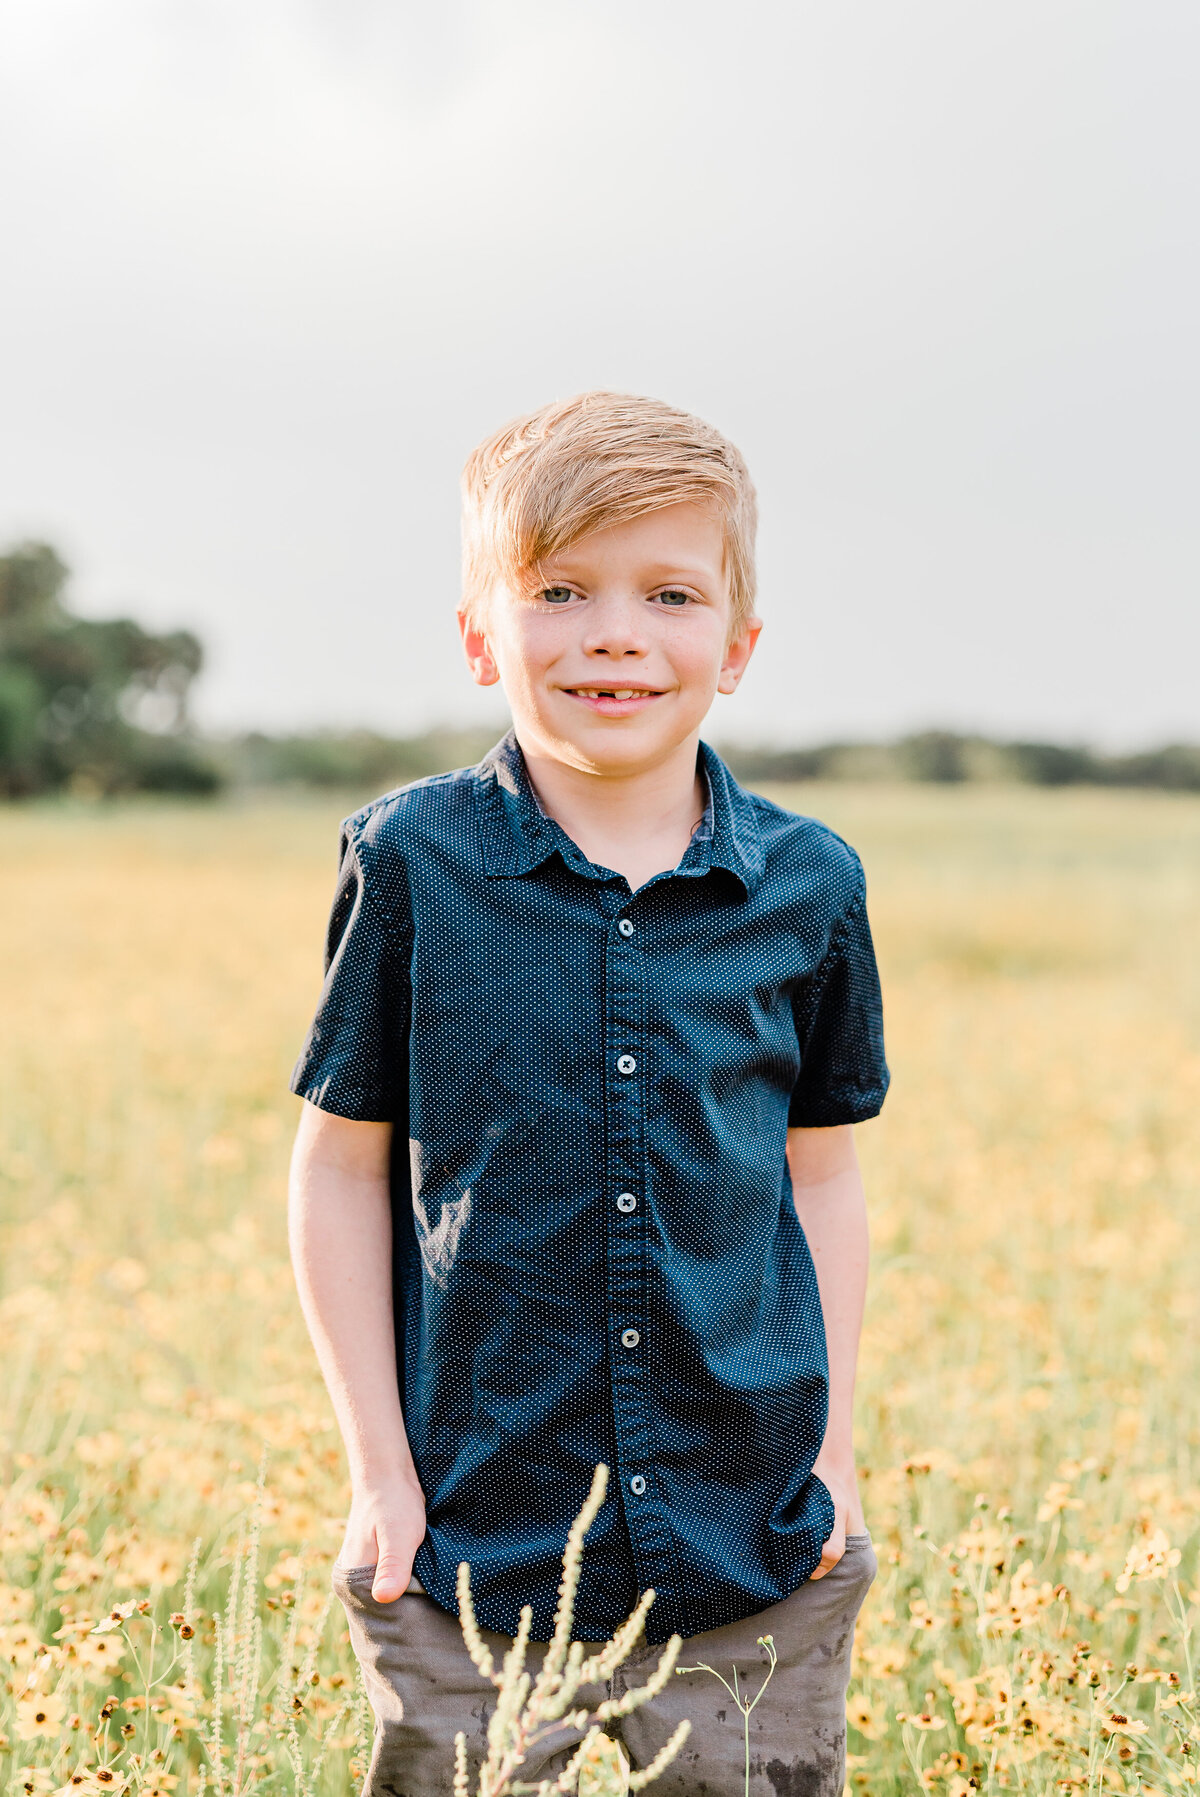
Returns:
(615, 627)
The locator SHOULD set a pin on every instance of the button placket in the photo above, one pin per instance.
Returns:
(628, 1069)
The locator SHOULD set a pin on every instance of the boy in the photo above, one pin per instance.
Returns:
(575, 1179)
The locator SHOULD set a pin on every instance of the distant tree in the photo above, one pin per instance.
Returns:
(97, 704)
(352, 762)
(766, 764)
(1057, 764)
(936, 755)
(1175, 767)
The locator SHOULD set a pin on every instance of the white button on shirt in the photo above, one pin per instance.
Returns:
(626, 1064)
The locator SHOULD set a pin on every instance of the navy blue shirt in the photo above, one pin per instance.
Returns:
(596, 1254)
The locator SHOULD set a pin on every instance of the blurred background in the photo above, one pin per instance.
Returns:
(272, 270)
(276, 269)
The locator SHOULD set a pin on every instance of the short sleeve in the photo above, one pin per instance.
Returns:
(839, 1023)
(355, 1060)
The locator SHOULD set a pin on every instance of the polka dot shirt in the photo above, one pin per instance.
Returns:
(596, 1255)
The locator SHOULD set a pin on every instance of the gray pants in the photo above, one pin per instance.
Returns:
(423, 1689)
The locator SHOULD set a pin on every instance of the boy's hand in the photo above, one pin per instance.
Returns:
(385, 1528)
(841, 1481)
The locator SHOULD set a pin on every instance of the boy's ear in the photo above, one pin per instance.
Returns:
(475, 647)
(738, 654)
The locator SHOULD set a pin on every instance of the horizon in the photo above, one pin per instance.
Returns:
(756, 745)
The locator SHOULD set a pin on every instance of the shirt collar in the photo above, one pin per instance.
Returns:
(518, 836)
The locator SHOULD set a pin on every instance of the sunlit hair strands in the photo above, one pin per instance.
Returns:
(583, 464)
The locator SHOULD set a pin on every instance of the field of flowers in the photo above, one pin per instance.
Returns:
(1029, 1423)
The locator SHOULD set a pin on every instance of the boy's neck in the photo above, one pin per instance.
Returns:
(638, 823)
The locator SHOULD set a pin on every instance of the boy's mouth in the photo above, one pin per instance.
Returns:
(615, 701)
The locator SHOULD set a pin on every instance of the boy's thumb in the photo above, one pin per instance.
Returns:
(392, 1574)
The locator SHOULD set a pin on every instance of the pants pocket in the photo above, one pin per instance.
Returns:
(422, 1689)
(798, 1729)
(858, 1562)
(366, 1575)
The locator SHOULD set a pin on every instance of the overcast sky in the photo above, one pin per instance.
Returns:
(272, 269)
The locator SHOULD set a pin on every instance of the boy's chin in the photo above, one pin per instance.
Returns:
(605, 749)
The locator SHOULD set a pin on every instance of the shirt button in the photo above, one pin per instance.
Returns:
(626, 1064)
(637, 1484)
(625, 927)
(630, 1338)
(627, 1202)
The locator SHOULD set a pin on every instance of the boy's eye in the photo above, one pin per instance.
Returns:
(557, 595)
(673, 596)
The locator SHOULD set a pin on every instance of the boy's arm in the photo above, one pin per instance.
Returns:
(340, 1226)
(832, 1208)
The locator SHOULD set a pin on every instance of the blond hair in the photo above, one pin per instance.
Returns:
(579, 465)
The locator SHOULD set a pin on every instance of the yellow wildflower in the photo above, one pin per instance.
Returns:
(1057, 1499)
(146, 1564)
(922, 1618)
(885, 1659)
(119, 1614)
(16, 1603)
(78, 1569)
(20, 1643)
(96, 1658)
(861, 1715)
(1150, 1558)
(39, 1714)
(33, 1781)
(1116, 1723)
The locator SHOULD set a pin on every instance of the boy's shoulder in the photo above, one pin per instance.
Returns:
(421, 810)
(805, 862)
(782, 828)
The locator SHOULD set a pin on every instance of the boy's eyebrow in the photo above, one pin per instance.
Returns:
(662, 570)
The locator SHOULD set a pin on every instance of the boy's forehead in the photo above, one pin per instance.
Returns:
(673, 539)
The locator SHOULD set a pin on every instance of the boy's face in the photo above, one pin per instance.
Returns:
(614, 661)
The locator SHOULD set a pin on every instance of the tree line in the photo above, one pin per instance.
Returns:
(366, 761)
(98, 706)
(101, 707)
